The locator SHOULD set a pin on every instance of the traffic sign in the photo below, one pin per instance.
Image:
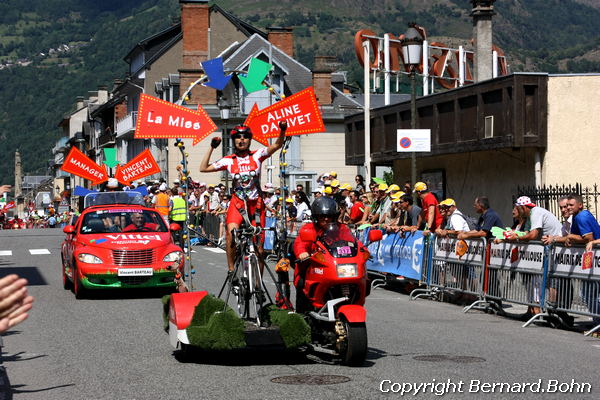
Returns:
(413, 140)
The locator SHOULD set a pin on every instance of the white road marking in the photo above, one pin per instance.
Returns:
(5, 252)
(214, 250)
(39, 251)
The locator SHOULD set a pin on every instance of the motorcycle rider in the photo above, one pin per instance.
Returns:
(324, 213)
(244, 166)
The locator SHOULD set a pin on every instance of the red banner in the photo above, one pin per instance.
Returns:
(300, 110)
(79, 164)
(142, 165)
(8, 206)
(160, 119)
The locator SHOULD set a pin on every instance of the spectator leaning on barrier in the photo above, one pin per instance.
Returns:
(411, 219)
(378, 204)
(542, 222)
(455, 221)
(487, 220)
(566, 214)
(585, 229)
(430, 213)
(390, 192)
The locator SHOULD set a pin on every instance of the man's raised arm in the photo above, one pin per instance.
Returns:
(280, 139)
(204, 166)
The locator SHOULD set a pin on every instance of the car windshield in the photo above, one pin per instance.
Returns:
(122, 220)
(102, 198)
(339, 241)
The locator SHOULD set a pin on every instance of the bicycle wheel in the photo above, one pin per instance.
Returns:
(256, 287)
(241, 291)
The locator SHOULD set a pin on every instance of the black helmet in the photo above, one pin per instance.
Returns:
(240, 129)
(324, 206)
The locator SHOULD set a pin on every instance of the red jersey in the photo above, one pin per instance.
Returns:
(356, 212)
(244, 171)
(430, 200)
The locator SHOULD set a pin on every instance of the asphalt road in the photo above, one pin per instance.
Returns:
(113, 347)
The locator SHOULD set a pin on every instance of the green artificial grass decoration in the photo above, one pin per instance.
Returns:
(166, 299)
(294, 331)
(213, 328)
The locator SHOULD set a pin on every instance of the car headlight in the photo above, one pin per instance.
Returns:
(347, 270)
(89, 259)
(173, 257)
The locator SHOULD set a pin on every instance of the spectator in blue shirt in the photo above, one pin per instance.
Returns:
(585, 229)
(487, 220)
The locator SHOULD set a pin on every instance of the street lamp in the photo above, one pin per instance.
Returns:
(224, 109)
(412, 49)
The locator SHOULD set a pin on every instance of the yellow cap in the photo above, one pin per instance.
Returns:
(395, 199)
(448, 202)
(335, 183)
(333, 174)
(327, 190)
(420, 186)
(382, 186)
(393, 188)
(346, 186)
(289, 200)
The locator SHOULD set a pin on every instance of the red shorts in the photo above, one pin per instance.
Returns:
(254, 206)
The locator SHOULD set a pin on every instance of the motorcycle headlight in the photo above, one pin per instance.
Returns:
(173, 257)
(347, 270)
(89, 258)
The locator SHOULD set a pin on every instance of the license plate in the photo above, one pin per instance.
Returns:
(346, 270)
(135, 272)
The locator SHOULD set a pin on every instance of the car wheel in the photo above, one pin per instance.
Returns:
(66, 281)
(78, 288)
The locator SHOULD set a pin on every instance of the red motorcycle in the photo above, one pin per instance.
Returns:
(331, 291)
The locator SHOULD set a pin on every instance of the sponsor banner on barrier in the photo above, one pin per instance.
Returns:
(461, 250)
(398, 255)
(573, 260)
(517, 256)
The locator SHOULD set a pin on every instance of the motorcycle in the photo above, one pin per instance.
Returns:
(331, 291)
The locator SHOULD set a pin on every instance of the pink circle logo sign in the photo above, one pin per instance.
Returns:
(405, 142)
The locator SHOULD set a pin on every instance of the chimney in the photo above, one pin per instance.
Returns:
(324, 66)
(482, 13)
(195, 25)
(79, 102)
(282, 38)
(102, 94)
(117, 83)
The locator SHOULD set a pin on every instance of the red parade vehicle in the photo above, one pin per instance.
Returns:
(117, 243)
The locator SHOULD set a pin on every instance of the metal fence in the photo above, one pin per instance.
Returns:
(547, 196)
(455, 266)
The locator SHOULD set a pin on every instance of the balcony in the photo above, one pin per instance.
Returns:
(126, 125)
(106, 139)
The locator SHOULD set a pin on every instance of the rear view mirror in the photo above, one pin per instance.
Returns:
(69, 229)
(174, 227)
(375, 235)
(308, 235)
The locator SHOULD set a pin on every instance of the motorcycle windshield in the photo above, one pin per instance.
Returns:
(339, 241)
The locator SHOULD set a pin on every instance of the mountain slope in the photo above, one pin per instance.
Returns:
(66, 48)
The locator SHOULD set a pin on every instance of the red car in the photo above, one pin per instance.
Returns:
(125, 245)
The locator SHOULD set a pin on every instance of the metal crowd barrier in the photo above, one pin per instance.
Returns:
(573, 284)
(514, 274)
(456, 266)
